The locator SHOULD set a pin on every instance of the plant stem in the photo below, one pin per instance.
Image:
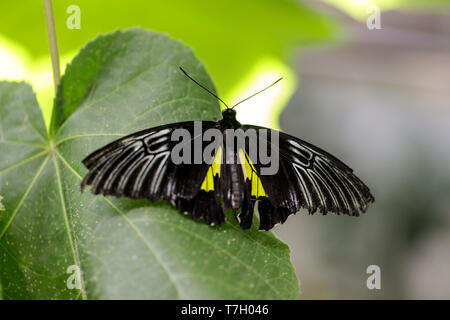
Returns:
(53, 46)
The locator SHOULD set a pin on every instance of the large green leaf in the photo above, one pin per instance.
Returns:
(119, 83)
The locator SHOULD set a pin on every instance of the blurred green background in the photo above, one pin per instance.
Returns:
(238, 41)
(377, 99)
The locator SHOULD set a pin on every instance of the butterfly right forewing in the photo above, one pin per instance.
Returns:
(308, 177)
(333, 185)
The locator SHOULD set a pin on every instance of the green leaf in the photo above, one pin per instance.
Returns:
(2, 207)
(119, 83)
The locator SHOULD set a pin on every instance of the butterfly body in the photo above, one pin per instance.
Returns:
(229, 120)
(140, 166)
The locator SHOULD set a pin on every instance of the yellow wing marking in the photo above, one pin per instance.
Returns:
(214, 168)
(250, 173)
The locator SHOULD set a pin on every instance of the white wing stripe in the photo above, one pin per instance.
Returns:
(140, 179)
(336, 185)
(330, 191)
(125, 177)
(305, 192)
(159, 172)
(113, 175)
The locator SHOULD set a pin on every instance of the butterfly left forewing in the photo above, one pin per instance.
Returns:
(140, 166)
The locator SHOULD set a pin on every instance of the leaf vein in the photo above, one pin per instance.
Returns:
(118, 88)
(70, 231)
(209, 242)
(24, 161)
(89, 135)
(131, 224)
(25, 195)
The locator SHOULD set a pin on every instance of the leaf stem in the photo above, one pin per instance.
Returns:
(53, 46)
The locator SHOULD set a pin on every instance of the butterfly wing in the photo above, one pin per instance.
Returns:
(140, 166)
(308, 177)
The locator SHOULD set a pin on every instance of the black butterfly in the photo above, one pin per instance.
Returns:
(140, 166)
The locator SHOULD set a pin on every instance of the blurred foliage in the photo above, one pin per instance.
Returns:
(234, 39)
(230, 37)
(358, 8)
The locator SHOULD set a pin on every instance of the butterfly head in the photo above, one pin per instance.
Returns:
(229, 114)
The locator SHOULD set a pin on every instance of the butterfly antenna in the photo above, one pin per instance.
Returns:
(203, 87)
(257, 93)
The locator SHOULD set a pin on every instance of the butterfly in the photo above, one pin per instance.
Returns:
(141, 165)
